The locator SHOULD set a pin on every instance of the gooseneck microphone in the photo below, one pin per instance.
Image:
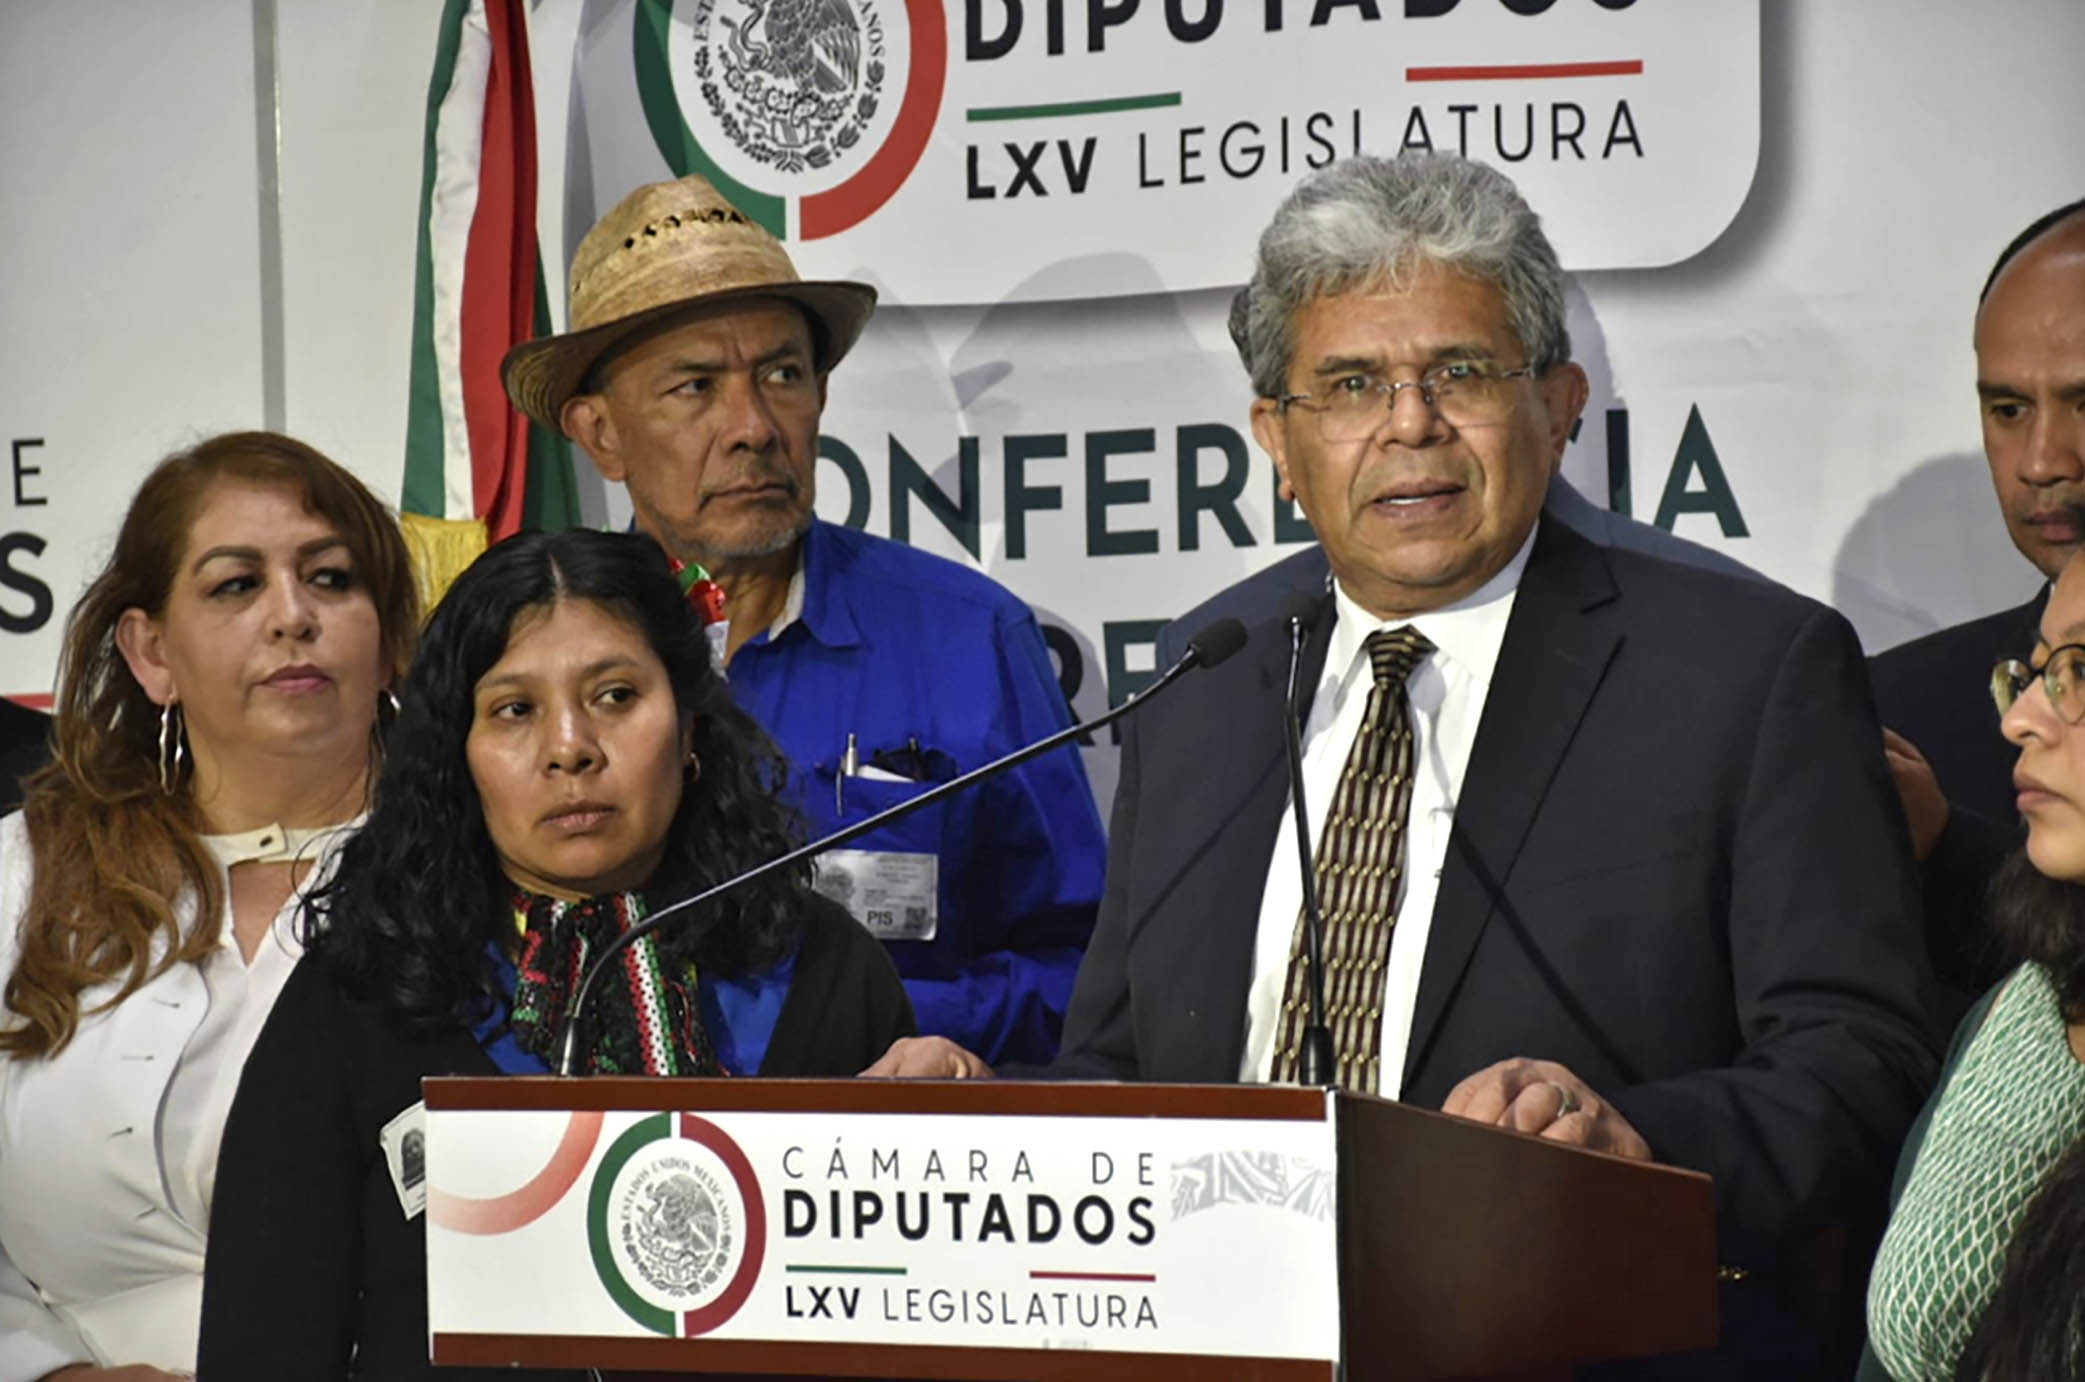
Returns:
(1208, 647)
(1317, 1063)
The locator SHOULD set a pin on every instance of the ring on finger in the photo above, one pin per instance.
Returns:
(1567, 1102)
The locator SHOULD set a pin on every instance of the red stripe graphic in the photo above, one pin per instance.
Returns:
(1092, 1276)
(705, 1318)
(1632, 67)
(499, 273)
(830, 212)
(517, 1208)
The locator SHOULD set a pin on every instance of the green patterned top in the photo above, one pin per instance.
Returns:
(2015, 1102)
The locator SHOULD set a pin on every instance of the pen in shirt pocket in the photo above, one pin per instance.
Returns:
(850, 764)
(909, 764)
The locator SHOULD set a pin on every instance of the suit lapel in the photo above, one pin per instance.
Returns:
(2030, 618)
(1221, 873)
(1557, 648)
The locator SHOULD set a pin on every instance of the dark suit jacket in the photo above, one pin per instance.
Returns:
(1705, 907)
(1935, 691)
(25, 746)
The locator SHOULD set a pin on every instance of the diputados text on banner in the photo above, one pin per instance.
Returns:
(1061, 144)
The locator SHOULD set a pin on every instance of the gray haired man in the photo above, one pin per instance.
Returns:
(1604, 847)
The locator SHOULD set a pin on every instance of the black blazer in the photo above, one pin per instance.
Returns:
(1935, 691)
(25, 746)
(313, 1270)
(1680, 870)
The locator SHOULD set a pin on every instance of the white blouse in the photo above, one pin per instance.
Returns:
(108, 1151)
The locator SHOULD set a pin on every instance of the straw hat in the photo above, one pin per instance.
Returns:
(666, 248)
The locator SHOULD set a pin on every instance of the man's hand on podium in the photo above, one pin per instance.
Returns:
(927, 1058)
(1545, 1098)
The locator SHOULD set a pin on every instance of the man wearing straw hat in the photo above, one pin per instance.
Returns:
(694, 374)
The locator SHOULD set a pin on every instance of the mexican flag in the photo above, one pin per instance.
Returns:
(476, 471)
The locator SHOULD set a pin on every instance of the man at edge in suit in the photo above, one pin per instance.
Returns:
(1605, 850)
(1953, 768)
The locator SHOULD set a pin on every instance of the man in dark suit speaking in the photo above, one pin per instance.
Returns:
(1605, 847)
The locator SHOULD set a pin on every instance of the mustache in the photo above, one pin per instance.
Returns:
(1381, 479)
(781, 478)
(2070, 508)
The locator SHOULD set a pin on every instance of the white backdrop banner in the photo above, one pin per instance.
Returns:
(1001, 150)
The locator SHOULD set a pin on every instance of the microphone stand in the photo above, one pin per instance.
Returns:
(1316, 1061)
(1208, 647)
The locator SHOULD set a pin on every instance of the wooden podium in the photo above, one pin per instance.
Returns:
(1461, 1251)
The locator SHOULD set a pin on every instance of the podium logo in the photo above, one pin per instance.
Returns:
(1218, 1179)
(808, 114)
(676, 1224)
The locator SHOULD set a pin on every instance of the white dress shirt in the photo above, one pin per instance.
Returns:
(1447, 691)
(108, 1150)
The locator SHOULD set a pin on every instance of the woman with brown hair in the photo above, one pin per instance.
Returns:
(216, 730)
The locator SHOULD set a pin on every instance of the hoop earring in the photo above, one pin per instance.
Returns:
(694, 770)
(173, 748)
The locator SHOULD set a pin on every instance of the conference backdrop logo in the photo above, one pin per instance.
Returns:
(676, 1224)
(998, 150)
(801, 98)
(808, 114)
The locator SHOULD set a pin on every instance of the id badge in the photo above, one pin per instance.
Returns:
(404, 1140)
(894, 895)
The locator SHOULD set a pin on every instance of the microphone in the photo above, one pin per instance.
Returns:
(1317, 1063)
(1209, 646)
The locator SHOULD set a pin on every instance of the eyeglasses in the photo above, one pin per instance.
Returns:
(1466, 393)
(2062, 678)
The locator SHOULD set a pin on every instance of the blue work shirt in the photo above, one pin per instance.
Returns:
(936, 669)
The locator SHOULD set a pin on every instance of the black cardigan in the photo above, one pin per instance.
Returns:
(313, 1270)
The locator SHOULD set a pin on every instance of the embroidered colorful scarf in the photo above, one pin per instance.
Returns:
(643, 1019)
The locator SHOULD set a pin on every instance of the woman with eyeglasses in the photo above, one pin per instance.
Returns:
(1981, 1275)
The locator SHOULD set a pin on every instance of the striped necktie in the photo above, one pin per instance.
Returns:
(1359, 865)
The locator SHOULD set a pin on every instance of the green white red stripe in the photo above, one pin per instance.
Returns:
(477, 280)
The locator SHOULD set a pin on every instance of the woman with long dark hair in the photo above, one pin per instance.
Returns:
(566, 759)
(1981, 1275)
(220, 690)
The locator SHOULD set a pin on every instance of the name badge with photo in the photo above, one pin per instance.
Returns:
(404, 1140)
(893, 895)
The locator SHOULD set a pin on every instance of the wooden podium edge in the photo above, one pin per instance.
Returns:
(1558, 1255)
(1036, 1098)
(817, 1360)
